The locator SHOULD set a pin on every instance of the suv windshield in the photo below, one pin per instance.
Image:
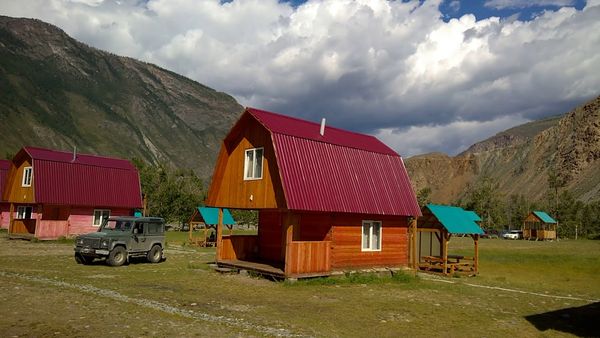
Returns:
(112, 225)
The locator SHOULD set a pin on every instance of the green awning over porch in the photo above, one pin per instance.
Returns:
(211, 216)
(456, 220)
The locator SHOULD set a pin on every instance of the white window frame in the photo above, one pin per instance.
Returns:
(368, 246)
(22, 211)
(27, 176)
(99, 216)
(254, 175)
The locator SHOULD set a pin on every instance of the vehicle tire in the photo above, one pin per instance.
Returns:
(155, 254)
(81, 259)
(117, 256)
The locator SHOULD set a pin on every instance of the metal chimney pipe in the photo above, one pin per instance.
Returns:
(322, 131)
(74, 153)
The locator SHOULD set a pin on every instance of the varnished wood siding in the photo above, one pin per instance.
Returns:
(315, 227)
(23, 226)
(269, 233)
(242, 247)
(229, 189)
(532, 218)
(16, 192)
(308, 257)
(347, 242)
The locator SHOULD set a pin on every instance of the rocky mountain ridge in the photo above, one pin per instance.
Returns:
(521, 159)
(60, 93)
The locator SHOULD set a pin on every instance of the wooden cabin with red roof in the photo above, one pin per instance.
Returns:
(4, 205)
(328, 199)
(53, 193)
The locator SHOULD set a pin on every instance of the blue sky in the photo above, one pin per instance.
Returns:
(423, 76)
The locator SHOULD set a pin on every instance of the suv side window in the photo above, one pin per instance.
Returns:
(155, 228)
(138, 228)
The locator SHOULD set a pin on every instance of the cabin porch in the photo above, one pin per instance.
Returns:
(301, 259)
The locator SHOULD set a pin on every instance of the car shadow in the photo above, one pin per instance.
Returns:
(581, 321)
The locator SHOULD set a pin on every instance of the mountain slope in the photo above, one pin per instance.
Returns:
(521, 158)
(59, 93)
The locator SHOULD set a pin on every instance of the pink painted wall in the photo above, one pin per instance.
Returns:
(81, 219)
(79, 222)
(4, 215)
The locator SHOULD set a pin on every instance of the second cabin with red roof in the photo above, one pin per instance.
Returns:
(328, 199)
(52, 194)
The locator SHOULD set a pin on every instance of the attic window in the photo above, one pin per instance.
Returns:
(27, 173)
(253, 164)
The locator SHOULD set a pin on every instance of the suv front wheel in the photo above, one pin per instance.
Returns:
(117, 256)
(155, 254)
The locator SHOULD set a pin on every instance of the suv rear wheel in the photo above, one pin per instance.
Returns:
(117, 256)
(155, 254)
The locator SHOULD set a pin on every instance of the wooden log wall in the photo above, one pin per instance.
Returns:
(347, 242)
(308, 257)
(241, 247)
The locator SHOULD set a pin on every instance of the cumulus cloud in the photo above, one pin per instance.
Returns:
(502, 4)
(389, 68)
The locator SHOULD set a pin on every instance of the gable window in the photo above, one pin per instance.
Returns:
(27, 174)
(100, 215)
(24, 212)
(253, 164)
(371, 236)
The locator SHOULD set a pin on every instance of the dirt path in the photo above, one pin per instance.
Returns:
(238, 323)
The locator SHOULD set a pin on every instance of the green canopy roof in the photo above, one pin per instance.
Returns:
(456, 220)
(544, 217)
(473, 215)
(211, 216)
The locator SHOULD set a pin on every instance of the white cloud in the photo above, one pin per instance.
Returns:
(502, 4)
(368, 65)
(444, 138)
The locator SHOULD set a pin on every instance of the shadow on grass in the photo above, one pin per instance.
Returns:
(581, 321)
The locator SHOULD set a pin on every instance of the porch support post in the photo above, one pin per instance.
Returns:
(289, 223)
(220, 235)
(413, 243)
(11, 218)
(446, 240)
(476, 258)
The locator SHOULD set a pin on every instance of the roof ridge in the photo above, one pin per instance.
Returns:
(251, 110)
(123, 164)
(311, 122)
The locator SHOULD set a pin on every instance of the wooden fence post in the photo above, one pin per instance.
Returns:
(220, 235)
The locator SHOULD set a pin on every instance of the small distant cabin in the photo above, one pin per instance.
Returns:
(208, 218)
(538, 225)
(434, 231)
(53, 193)
(327, 199)
(4, 205)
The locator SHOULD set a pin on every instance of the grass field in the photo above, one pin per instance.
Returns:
(520, 286)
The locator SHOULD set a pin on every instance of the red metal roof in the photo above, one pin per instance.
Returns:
(87, 181)
(281, 124)
(4, 167)
(340, 172)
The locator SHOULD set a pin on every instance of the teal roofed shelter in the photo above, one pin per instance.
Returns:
(538, 225)
(208, 218)
(435, 229)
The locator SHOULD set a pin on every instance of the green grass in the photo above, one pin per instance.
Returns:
(350, 306)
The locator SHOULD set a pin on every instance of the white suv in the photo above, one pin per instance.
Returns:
(513, 234)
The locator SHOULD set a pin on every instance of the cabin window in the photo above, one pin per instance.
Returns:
(27, 173)
(371, 236)
(24, 212)
(253, 164)
(100, 215)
